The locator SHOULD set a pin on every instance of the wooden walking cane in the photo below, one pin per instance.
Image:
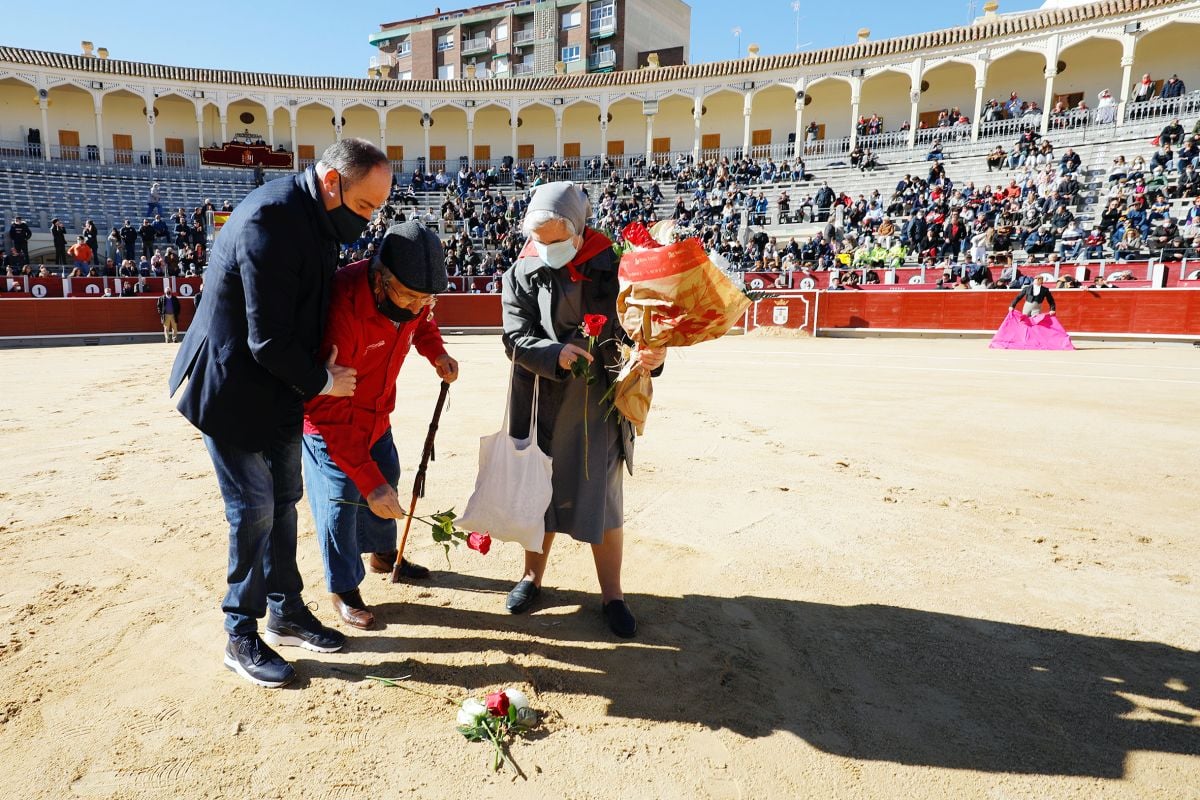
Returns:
(419, 481)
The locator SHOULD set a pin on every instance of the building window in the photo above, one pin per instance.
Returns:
(602, 17)
(446, 72)
(572, 19)
(502, 32)
(570, 54)
(404, 48)
(500, 65)
(445, 42)
(404, 76)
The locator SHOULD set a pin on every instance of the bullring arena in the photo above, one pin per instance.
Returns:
(870, 556)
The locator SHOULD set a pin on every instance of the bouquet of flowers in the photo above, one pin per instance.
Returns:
(501, 714)
(671, 295)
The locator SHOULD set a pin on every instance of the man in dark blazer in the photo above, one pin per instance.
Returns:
(252, 357)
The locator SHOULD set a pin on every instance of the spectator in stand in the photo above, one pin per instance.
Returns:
(1070, 162)
(146, 232)
(153, 206)
(1093, 245)
(1130, 246)
(81, 254)
(58, 232)
(1142, 91)
(1172, 134)
(996, 158)
(19, 235)
(1070, 241)
(1173, 87)
(92, 236)
(129, 236)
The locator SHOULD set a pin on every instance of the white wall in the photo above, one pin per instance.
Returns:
(775, 108)
(581, 124)
(724, 117)
(72, 110)
(887, 95)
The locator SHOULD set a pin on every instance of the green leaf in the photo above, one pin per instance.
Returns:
(440, 536)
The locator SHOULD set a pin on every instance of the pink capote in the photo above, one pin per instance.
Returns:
(1039, 332)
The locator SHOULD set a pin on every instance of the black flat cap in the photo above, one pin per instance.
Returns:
(414, 254)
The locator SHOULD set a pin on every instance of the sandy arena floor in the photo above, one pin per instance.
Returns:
(863, 569)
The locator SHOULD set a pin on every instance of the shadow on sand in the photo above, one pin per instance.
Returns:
(867, 682)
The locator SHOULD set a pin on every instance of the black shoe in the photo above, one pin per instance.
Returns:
(246, 655)
(619, 618)
(302, 629)
(522, 597)
(413, 571)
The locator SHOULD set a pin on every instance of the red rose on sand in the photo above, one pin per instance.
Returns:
(497, 704)
(593, 324)
(479, 542)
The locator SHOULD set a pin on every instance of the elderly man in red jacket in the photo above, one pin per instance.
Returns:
(380, 309)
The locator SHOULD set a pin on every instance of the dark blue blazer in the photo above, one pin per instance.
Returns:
(252, 350)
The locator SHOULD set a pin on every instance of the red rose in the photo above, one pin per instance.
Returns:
(636, 234)
(593, 324)
(479, 542)
(497, 704)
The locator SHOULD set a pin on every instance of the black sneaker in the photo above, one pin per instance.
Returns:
(302, 629)
(246, 655)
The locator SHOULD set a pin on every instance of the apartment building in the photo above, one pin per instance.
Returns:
(533, 38)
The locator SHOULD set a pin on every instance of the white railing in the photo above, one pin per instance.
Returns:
(527, 36)
(602, 60)
(522, 69)
(603, 27)
(480, 44)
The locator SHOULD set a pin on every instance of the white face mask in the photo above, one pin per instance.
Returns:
(556, 255)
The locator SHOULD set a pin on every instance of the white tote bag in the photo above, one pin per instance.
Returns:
(513, 489)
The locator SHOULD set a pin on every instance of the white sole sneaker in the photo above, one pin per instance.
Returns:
(232, 664)
(278, 639)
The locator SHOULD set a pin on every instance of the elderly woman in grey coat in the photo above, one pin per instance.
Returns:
(566, 271)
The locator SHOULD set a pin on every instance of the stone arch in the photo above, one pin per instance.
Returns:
(949, 84)
(123, 112)
(886, 93)
(773, 109)
(721, 122)
(827, 104)
(1092, 64)
(1020, 70)
(581, 126)
(1158, 50)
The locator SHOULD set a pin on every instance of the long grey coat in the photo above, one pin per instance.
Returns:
(538, 322)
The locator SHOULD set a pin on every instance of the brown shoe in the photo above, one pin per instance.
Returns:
(382, 563)
(353, 611)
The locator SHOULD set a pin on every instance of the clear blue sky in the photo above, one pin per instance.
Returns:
(323, 38)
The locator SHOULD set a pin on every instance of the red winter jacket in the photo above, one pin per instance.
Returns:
(376, 347)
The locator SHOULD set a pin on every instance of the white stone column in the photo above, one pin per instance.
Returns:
(917, 72)
(295, 146)
(798, 144)
(150, 127)
(649, 138)
(697, 116)
(381, 111)
(426, 124)
(224, 128)
(471, 140)
(747, 110)
(603, 128)
(558, 134)
(44, 105)
(1048, 101)
(1128, 44)
(200, 126)
(978, 110)
(854, 99)
(99, 105)
(513, 120)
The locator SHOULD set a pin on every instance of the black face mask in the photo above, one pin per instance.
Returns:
(346, 224)
(385, 306)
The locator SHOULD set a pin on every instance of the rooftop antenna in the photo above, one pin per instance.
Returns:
(796, 12)
(971, 6)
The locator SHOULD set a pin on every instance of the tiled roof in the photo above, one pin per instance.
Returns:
(1000, 26)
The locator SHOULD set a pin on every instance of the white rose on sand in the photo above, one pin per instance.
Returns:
(516, 698)
(471, 712)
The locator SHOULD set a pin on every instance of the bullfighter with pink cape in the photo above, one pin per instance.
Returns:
(1030, 329)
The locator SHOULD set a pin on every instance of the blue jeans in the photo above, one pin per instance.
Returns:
(345, 532)
(261, 490)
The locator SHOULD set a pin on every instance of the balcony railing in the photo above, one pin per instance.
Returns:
(524, 37)
(603, 28)
(521, 70)
(605, 59)
(480, 44)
